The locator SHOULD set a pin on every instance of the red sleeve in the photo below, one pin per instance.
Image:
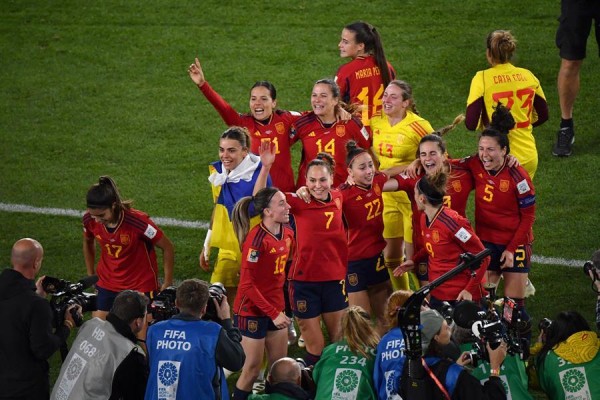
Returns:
(228, 114)
(474, 111)
(473, 246)
(363, 139)
(541, 109)
(526, 197)
(256, 296)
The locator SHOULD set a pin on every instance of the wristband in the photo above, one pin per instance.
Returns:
(207, 243)
(495, 372)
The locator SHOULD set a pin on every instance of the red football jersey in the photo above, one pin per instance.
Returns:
(363, 214)
(264, 255)
(504, 204)
(445, 238)
(276, 130)
(127, 254)
(360, 82)
(321, 252)
(317, 137)
(460, 184)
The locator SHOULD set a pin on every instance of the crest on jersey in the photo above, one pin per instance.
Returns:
(353, 279)
(435, 236)
(504, 185)
(252, 326)
(338, 203)
(280, 127)
(253, 256)
(456, 186)
(422, 269)
(377, 190)
(301, 305)
(124, 239)
(340, 130)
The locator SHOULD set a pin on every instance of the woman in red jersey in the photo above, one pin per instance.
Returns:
(446, 235)
(259, 304)
(264, 122)
(318, 271)
(367, 279)
(127, 239)
(504, 208)
(321, 131)
(363, 79)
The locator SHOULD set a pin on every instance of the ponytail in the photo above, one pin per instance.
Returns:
(105, 194)
(246, 208)
(368, 35)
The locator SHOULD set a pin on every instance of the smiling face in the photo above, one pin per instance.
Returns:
(261, 103)
(323, 102)
(490, 153)
(362, 169)
(348, 46)
(279, 209)
(319, 181)
(231, 153)
(431, 157)
(394, 104)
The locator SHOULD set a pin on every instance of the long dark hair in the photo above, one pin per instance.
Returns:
(368, 35)
(502, 122)
(105, 194)
(564, 325)
(240, 217)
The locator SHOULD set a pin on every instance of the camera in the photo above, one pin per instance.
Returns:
(544, 324)
(64, 294)
(493, 328)
(446, 311)
(215, 291)
(306, 376)
(163, 306)
(588, 267)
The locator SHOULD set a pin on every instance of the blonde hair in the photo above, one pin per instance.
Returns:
(394, 302)
(501, 45)
(358, 331)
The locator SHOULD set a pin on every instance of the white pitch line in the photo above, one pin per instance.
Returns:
(76, 213)
(165, 221)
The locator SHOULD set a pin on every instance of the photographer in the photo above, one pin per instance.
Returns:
(105, 361)
(568, 364)
(27, 339)
(284, 382)
(187, 355)
(447, 379)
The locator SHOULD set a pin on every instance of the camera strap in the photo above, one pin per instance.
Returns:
(435, 379)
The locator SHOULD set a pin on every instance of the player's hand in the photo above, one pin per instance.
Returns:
(511, 161)
(196, 73)
(407, 265)
(303, 193)
(497, 355)
(282, 321)
(203, 261)
(342, 115)
(350, 181)
(69, 313)
(267, 151)
(464, 295)
(414, 169)
(165, 285)
(507, 259)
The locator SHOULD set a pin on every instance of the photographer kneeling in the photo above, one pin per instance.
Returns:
(284, 382)
(105, 361)
(187, 355)
(447, 379)
(568, 363)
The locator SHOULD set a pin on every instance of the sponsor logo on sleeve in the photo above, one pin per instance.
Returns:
(150, 232)
(253, 256)
(463, 235)
(523, 186)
